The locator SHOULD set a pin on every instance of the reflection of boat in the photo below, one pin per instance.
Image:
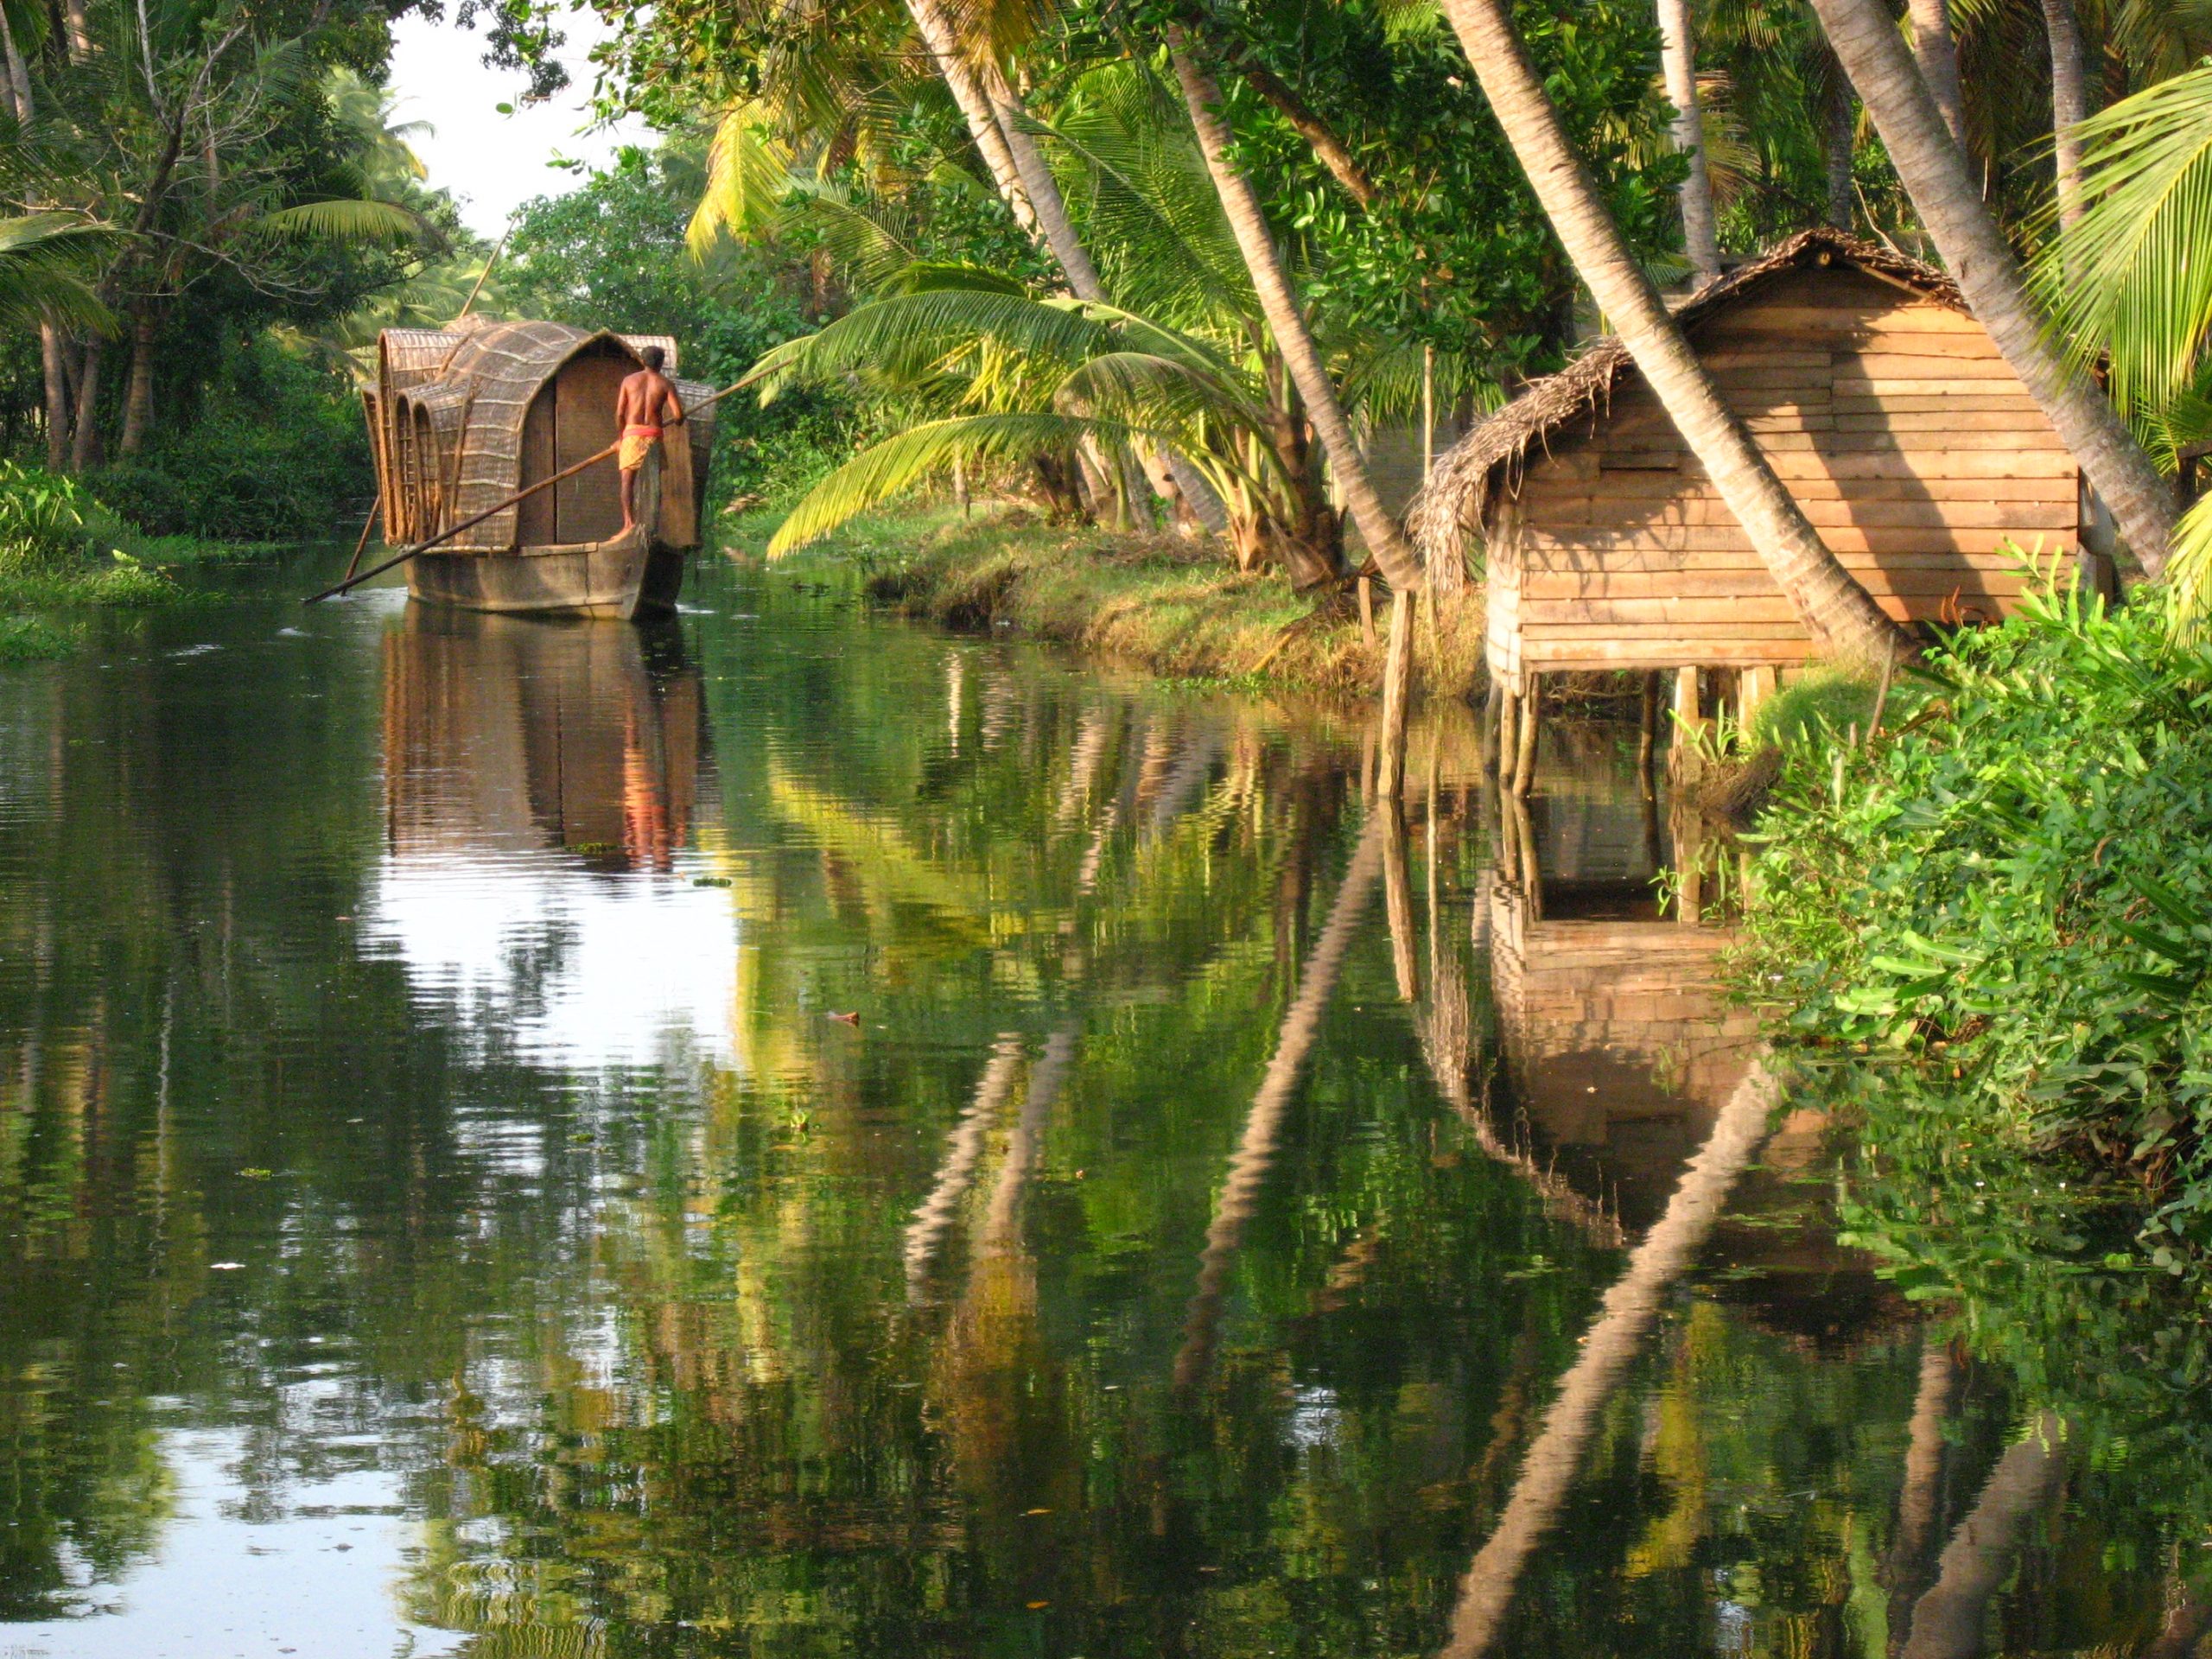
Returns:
(511, 734)
(463, 416)
(541, 784)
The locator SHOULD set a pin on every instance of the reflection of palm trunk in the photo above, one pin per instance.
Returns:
(964, 1149)
(1949, 1623)
(1046, 1079)
(1256, 1149)
(1628, 1311)
(1919, 1497)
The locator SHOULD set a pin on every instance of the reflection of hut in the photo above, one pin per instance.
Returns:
(463, 417)
(510, 734)
(1619, 1045)
(1881, 403)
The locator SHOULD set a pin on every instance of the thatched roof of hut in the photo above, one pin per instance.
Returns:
(1459, 487)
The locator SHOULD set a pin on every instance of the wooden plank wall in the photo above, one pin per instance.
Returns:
(1892, 419)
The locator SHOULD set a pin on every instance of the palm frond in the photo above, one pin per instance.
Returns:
(899, 463)
(350, 220)
(2130, 281)
(748, 175)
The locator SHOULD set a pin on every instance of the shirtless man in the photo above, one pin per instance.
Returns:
(646, 403)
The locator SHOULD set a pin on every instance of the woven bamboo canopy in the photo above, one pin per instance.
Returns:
(465, 415)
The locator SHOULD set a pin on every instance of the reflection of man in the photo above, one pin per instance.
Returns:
(646, 402)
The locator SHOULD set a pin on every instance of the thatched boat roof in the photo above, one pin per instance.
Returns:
(453, 402)
(1459, 487)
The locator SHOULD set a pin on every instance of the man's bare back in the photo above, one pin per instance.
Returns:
(646, 403)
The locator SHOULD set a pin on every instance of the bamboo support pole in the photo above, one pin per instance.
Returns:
(361, 545)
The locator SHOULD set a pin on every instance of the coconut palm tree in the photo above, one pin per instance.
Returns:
(1935, 173)
(1287, 321)
(1002, 377)
(1836, 610)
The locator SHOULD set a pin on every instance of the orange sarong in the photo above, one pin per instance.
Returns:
(637, 444)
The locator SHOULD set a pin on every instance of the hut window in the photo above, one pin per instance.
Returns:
(1640, 461)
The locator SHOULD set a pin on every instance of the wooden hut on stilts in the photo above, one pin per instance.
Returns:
(1883, 405)
(462, 418)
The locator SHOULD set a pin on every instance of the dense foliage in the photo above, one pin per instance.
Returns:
(611, 254)
(2012, 894)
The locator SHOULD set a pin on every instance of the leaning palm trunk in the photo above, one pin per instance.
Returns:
(2070, 106)
(1836, 610)
(942, 41)
(1935, 175)
(1287, 323)
(1678, 59)
(1936, 51)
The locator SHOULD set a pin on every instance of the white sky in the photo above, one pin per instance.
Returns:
(494, 162)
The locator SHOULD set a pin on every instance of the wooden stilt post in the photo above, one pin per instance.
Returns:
(1681, 762)
(1397, 696)
(1525, 762)
(1493, 710)
(1753, 687)
(1647, 733)
(1508, 734)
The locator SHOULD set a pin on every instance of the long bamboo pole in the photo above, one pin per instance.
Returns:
(361, 546)
(496, 508)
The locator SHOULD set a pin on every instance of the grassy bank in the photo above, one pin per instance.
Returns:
(1174, 607)
(63, 552)
(2005, 906)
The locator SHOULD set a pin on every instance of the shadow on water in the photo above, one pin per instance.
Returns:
(797, 1135)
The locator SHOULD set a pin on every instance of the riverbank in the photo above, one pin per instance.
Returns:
(1173, 608)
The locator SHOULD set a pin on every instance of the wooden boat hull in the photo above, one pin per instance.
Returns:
(625, 576)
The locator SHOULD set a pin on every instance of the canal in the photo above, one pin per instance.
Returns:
(788, 1133)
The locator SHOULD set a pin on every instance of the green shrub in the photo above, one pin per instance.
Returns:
(276, 452)
(43, 520)
(1815, 708)
(2014, 894)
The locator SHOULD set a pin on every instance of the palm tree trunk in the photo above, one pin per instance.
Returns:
(84, 435)
(1937, 53)
(51, 361)
(1935, 175)
(1842, 144)
(1678, 61)
(2069, 106)
(138, 406)
(1400, 567)
(942, 41)
(1836, 610)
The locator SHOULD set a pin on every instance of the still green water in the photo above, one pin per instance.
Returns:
(791, 1134)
